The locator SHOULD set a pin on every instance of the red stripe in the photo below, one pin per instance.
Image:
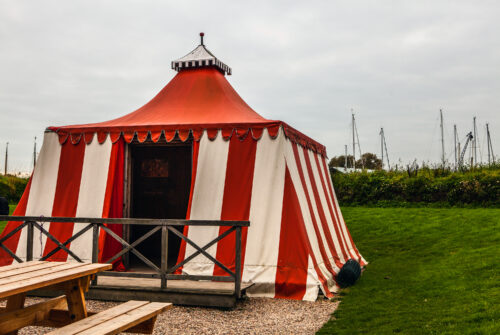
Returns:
(321, 212)
(309, 204)
(336, 224)
(13, 241)
(294, 247)
(236, 199)
(194, 168)
(113, 205)
(330, 189)
(69, 177)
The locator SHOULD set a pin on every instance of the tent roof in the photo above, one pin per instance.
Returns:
(196, 99)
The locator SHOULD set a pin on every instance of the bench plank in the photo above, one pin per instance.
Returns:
(128, 320)
(51, 269)
(39, 273)
(50, 279)
(27, 269)
(99, 318)
(20, 265)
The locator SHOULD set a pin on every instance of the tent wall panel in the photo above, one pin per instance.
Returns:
(293, 163)
(333, 221)
(320, 200)
(292, 267)
(91, 194)
(206, 203)
(42, 191)
(113, 205)
(196, 150)
(265, 216)
(322, 227)
(236, 199)
(66, 196)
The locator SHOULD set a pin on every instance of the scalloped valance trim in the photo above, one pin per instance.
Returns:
(74, 136)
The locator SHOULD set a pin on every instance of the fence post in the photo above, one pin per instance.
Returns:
(164, 255)
(29, 242)
(237, 282)
(95, 248)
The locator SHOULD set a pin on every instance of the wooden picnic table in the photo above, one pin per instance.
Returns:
(18, 279)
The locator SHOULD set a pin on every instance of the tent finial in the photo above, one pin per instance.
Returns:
(200, 57)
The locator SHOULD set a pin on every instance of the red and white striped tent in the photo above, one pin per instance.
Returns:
(244, 167)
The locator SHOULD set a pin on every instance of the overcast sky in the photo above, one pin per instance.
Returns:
(396, 63)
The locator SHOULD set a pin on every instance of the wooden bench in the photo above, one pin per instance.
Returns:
(118, 319)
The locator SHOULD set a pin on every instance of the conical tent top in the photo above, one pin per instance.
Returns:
(198, 58)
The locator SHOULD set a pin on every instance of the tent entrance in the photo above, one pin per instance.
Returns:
(160, 180)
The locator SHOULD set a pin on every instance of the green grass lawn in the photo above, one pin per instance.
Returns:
(431, 271)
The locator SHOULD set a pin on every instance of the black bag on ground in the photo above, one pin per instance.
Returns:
(4, 206)
(349, 273)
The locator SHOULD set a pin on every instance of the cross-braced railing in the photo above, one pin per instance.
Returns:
(164, 225)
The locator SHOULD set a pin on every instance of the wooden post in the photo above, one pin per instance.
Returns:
(164, 256)
(15, 302)
(237, 282)
(76, 299)
(95, 248)
(29, 241)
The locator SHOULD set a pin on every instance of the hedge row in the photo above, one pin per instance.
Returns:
(12, 188)
(475, 188)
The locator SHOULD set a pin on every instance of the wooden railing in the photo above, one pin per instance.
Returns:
(165, 225)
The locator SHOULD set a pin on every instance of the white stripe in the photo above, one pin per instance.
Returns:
(324, 204)
(263, 278)
(265, 215)
(311, 235)
(42, 192)
(315, 212)
(312, 282)
(91, 197)
(207, 200)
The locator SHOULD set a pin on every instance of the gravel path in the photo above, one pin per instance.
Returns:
(251, 316)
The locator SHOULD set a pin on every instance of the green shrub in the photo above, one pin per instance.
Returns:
(12, 187)
(440, 187)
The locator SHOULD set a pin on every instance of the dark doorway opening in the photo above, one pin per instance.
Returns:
(161, 180)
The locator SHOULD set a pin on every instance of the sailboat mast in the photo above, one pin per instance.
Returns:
(382, 146)
(455, 145)
(34, 154)
(474, 142)
(490, 145)
(353, 142)
(442, 139)
(345, 158)
(386, 153)
(6, 157)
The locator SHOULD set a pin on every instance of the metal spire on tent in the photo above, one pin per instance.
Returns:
(198, 58)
